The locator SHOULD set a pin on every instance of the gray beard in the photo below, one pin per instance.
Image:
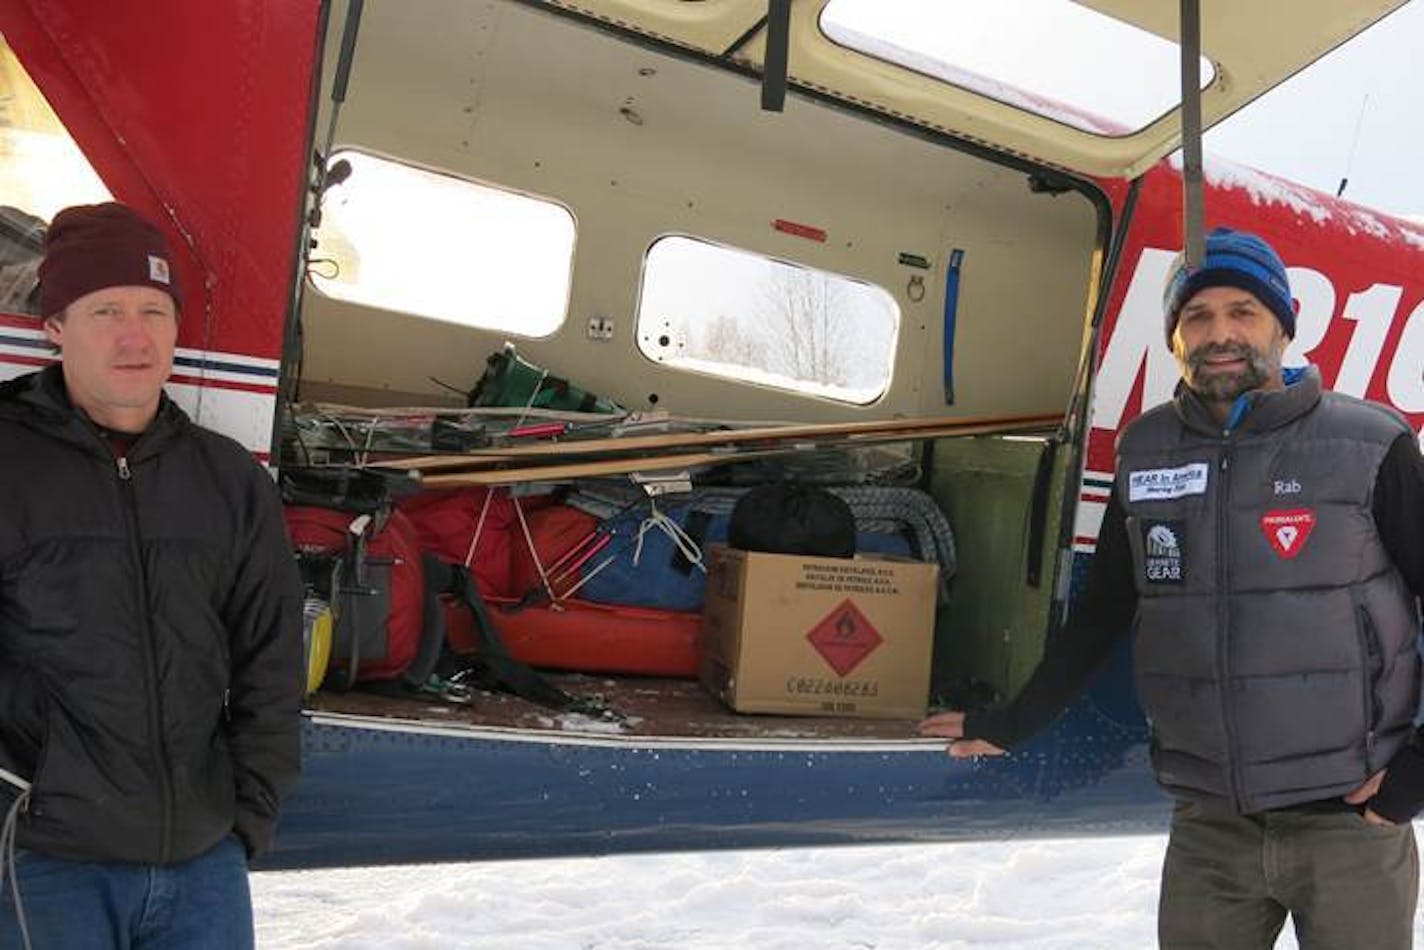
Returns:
(1225, 387)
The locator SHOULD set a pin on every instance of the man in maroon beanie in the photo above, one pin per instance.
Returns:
(150, 626)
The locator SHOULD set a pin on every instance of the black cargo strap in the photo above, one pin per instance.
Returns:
(1038, 512)
(775, 60)
(345, 488)
(1193, 213)
(493, 667)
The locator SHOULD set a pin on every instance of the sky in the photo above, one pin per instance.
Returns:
(1355, 112)
(1305, 129)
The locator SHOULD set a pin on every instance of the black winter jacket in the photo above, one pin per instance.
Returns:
(150, 634)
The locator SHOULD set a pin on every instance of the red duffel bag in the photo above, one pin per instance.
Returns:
(368, 570)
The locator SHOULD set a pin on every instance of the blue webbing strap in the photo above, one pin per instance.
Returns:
(951, 308)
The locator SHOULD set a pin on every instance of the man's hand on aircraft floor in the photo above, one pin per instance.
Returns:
(950, 725)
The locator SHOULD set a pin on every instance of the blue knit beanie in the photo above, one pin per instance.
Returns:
(1233, 259)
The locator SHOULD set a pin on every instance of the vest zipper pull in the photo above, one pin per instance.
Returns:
(124, 472)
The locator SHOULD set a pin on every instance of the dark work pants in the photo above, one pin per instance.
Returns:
(1229, 880)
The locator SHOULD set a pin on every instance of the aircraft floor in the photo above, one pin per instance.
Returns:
(649, 707)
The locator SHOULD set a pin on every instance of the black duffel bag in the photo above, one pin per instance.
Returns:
(787, 518)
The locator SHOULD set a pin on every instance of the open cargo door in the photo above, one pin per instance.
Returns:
(1249, 48)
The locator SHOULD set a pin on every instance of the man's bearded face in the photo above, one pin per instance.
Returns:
(1222, 371)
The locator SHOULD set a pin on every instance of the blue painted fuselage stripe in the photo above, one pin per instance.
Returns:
(193, 362)
(29, 343)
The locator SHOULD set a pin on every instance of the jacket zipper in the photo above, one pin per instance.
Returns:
(1223, 619)
(155, 705)
(1369, 658)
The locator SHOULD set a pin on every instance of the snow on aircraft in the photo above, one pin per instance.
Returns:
(1007, 248)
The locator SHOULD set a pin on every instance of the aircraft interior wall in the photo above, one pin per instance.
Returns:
(520, 99)
(639, 144)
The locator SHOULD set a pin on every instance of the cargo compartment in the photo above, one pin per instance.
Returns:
(664, 165)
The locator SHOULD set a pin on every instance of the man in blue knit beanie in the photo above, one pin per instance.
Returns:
(1262, 547)
(1234, 261)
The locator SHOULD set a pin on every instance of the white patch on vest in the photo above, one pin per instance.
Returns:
(1164, 484)
(1164, 546)
(1162, 542)
(158, 269)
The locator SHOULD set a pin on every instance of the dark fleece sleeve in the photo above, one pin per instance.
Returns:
(1095, 624)
(1399, 517)
(264, 622)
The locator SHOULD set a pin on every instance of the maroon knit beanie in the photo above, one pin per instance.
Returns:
(90, 247)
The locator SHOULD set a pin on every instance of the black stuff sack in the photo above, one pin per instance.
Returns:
(787, 518)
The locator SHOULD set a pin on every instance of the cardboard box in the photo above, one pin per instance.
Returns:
(818, 636)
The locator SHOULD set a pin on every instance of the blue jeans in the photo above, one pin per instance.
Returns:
(201, 904)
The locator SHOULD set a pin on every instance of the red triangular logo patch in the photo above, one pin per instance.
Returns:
(1288, 530)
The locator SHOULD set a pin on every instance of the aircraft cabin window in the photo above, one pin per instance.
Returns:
(726, 312)
(41, 171)
(414, 241)
(1056, 58)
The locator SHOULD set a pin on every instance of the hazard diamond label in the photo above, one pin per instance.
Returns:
(1288, 530)
(845, 637)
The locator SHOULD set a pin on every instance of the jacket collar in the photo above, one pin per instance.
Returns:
(1255, 411)
(41, 401)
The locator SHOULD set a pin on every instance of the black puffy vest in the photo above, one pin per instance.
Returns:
(1275, 643)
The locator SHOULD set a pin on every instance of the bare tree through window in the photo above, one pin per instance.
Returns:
(809, 328)
(725, 341)
(766, 321)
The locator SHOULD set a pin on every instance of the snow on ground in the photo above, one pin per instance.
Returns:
(1043, 895)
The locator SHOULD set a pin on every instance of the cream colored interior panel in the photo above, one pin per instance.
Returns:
(505, 94)
(1255, 45)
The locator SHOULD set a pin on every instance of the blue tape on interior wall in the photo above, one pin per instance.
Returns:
(951, 309)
